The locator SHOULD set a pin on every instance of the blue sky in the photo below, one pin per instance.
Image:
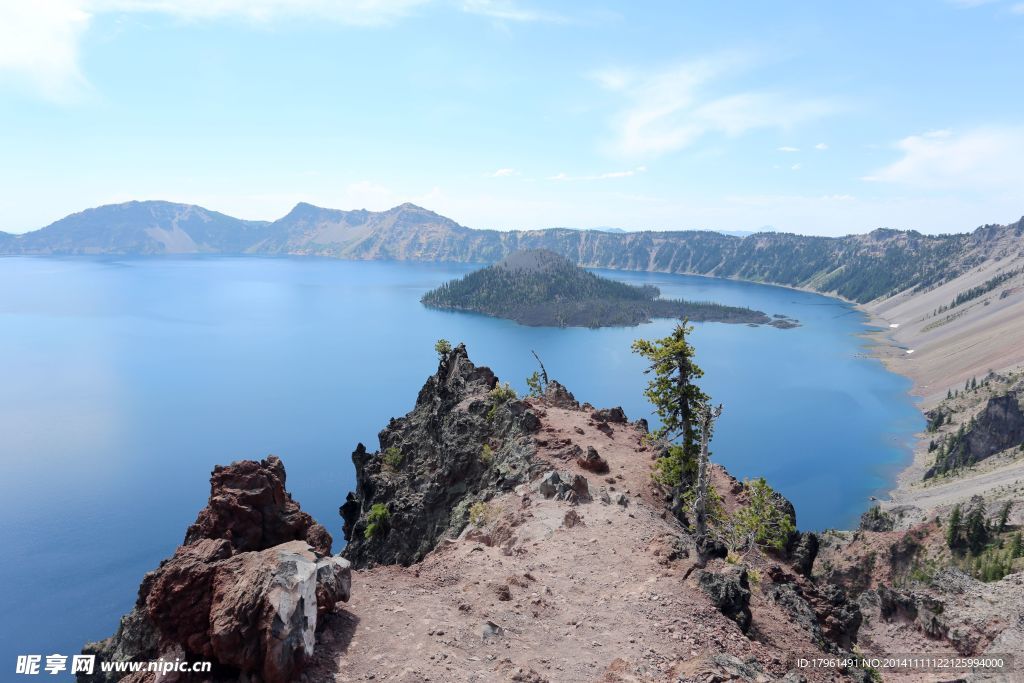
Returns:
(811, 117)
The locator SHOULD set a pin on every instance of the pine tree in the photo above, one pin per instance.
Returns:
(974, 383)
(975, 530)
(1004, 516)
(949, 393)
(676, 399)
(1017, 546)
(953, 530)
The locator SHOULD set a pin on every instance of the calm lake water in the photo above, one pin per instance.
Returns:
(124, 381)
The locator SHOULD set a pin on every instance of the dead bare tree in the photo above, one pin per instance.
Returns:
(543, 372)
(707, 417)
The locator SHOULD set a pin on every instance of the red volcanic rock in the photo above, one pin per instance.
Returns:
(247, 588)
(250, 508)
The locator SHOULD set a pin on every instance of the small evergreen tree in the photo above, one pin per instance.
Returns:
(1004, 516)
(1017, 546)
(953, 529)
(763, 520)
(975, 530)
(443, 348)
(676, 399)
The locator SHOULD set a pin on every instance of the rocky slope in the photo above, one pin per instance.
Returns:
(495, 538)
(974, 446)
(555, 559)
(245, 590)
(914, 600)
(862, 268)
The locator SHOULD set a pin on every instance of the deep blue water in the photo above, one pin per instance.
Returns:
(124, 381)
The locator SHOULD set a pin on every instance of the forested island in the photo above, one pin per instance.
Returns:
(540, 288)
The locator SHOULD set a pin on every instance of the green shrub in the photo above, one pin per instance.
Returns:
(534, 383)
(378, 520)
(675, 468)
(480, 514)
(486, 454)
(763, 520)
(443, 348)
(499, 396)
(393, 457)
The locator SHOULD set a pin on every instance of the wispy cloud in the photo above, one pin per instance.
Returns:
(353, 12)
(789, 150)
(795, 167)
(600, 176)
(985, 159)
(507, 10)
(502, 173)
(671, 109)
(821, 147)
(40, 39)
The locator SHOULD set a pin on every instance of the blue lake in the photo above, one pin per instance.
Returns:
(124, 381)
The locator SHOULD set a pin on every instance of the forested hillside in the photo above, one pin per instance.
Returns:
(539, 287)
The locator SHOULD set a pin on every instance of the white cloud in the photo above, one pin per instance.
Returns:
(795, 167)
(601, 176)
(1018, 8)
(39, 44)
(671, 109)
(507, 10)
(789, 150)
(353, 12)
(821, 147)
(40, 39)
(981, 159)
(502, 173)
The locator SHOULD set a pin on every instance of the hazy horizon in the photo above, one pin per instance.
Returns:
(597, 228)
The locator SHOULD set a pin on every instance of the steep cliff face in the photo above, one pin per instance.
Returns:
(245, 590)
(999, 426)
(464, 441)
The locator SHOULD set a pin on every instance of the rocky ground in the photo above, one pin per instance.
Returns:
(995, 467)
(499, 539)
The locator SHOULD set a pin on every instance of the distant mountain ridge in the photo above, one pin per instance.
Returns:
(857, 267)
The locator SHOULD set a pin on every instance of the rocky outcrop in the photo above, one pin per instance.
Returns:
(555, 394)
(822, 609)
(876, 519)
(245, 590)
(250, 508)
(999, 426)
(463, 442)
(804, 552)
(729, 591)
(592, 461)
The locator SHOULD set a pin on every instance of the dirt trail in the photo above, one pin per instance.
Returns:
(549, 591)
